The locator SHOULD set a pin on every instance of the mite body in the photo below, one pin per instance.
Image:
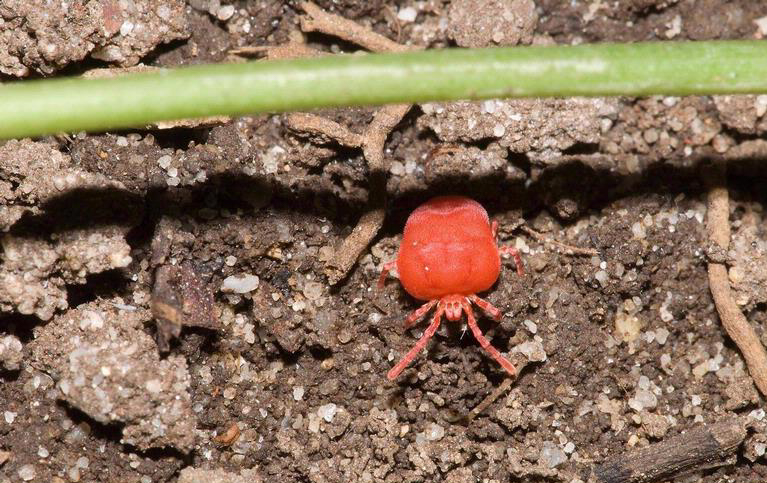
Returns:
(449, 253)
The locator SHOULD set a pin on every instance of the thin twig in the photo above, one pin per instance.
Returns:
(372, 140)
(569, 249)
(323, 130)
(520, 363)
(347, 253)
(700, 448)
(491, 398)
(317, 20)
(733, 320)
(291, 50)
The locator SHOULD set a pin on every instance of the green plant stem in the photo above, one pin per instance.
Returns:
(33, 108)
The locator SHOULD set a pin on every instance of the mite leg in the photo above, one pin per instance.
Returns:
(487, 307)
(486, 343)
(419, 312)
(515, 254)
(385, 272)
(430, 331)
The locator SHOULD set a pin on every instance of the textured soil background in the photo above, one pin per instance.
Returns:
(277, 376)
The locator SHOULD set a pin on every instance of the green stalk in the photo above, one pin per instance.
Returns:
(34, 108)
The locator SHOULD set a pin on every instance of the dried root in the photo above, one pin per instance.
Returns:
(733, 320)
(567, 249)
(322, 130)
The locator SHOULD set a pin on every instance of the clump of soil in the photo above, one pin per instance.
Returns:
(164, 295)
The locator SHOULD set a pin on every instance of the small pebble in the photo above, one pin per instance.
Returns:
(531, 326)
(407, 14)
(126, 28)
(250, 335)
(661, 335)
(42, 452)
(533, 350)
(601, 277)
(230, 261)
(154, 386)
(488, 106)
(397, 168)
(298, 393)
(434, 432)
(164, 161)
(760, 449)
(637, 229)
(499, 130)
(344, 336)
(650, 135)
(10, 416)
(551, 456)
(27, 472)
(644, 383)
(643, 399)
(327, 412)
(760, 104)
(240, 283)
(757, 414)
(225, 12)
(313, 290)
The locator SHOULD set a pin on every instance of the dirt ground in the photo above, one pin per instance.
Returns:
(228, 230)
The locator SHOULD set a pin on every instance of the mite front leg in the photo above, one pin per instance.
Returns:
(413, 318)
(486, 343)
(428, 333)
(515, 254)
(385, 272)
(487, 307)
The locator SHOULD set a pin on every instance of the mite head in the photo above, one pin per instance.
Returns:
(453, 308)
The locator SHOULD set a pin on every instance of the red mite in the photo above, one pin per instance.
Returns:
(449, 253)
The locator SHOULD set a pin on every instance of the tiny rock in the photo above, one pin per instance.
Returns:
(327, 412)
(27, 472)
(434, 432)
(240, 283)
(551, 456)
(533, 350)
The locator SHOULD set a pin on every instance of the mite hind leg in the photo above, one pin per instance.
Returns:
(508, 366)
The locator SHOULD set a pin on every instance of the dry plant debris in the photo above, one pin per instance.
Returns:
(568, 249)
(701, 448)
(371, 141)
(180, 298)
(733, 320)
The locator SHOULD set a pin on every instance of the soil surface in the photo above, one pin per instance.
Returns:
(165, 308)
